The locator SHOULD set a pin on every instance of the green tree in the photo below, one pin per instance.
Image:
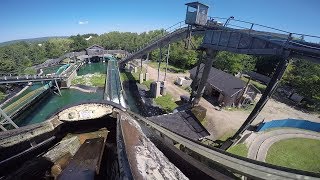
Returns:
(304, 76)
(78, 43)
(234, 63)
(267, 65)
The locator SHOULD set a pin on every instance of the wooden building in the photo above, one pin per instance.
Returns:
(225, 88)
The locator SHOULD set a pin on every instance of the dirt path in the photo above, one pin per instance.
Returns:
(220, 122)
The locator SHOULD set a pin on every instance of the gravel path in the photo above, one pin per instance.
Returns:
(261, 142)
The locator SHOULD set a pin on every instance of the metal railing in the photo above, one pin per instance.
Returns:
(163, 33)
(305, 40)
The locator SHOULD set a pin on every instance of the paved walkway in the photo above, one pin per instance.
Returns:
(259, 143)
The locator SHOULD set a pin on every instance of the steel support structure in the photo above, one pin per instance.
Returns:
(57, 86)
(194, 83)
(147, 62)
(160, 59)
(167, 61)
(266, 95)
(6, 121)
(211, 54)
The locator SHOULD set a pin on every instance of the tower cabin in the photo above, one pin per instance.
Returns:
(197, 13)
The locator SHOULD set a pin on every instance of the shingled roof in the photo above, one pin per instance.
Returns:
(183, 123)
(223, 82)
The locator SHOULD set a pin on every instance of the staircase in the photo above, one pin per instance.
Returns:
(172, 34)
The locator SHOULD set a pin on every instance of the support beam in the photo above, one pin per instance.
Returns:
(146, 77)
(141, 73)
(211, 54)
(195, 79)
(57, 86)
(167, 61)
(265, 96)
(7, 120)
(160, 59)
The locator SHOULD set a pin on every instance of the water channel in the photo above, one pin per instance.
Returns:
(51, 103)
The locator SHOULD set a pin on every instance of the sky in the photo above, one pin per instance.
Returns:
(21, 19)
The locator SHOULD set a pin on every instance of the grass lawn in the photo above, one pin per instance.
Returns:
(126, 76)
(147, 83)
(239, 149)
(163, 67)
(166, 102)
(297, 153)
(258, 85)
(227, 135)
(2, 95)
(96, 79)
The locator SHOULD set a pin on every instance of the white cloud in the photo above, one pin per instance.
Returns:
(83, 22)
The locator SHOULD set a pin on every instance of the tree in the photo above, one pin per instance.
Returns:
(304, 77)
(78, 43)
(234, 63)
(267, 65)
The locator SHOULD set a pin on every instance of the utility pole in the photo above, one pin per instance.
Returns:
(168, 53)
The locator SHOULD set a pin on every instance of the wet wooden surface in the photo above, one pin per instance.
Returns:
(86, 162)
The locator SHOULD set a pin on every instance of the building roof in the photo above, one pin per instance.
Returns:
(183, 123)
(95, 46)
(195, 4)
(223, 82)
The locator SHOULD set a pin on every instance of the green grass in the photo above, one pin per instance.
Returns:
(297, 153)
(248, 108)
(127, 76)
(258, 85)
(227, 135)
(30, 71)
(2, 95)
(166, 102)
(96, 79)
(147, 83)
(239, 149)
(66, 60)
(171, 68)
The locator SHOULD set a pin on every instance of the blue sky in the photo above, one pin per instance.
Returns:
(38, 18)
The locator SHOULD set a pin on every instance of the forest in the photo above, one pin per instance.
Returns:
(301, 75)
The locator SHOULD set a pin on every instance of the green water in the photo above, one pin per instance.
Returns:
(50, 104)
(92, 68)
(45, 108)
